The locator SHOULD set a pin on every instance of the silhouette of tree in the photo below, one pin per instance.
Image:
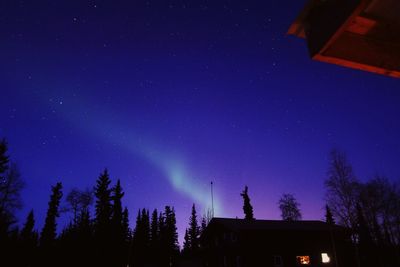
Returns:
(169, 237)
(118, 232)
(125, 226)
(342, 189)
(141, 239)
(102, 227)
(79, 201)
(48, 250)
(203, 225)
(4, 158)
(28, 232)
(247, 208)
(163, 258)
(328, 216)
(4, 216)
(364, 239)
(103, 204)
(28, 241)
(49, 232)
(154, 232)
(77, 238)
(289, 208)
(379, 200)
(186, 243)
(11, 185)
(117, 207)
(193, 232)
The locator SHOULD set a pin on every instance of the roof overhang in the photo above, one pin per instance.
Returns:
(360, 34)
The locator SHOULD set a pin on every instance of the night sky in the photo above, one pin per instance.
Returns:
(170, 95)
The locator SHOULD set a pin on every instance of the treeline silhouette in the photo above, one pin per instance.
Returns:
(100, 239)
(371, 210)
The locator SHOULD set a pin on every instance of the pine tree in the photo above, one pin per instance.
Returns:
(127, 236)
(29, 240)
(117, 214)
(117, 207)
(49, 232)
(125, 225)
(103, 205)
(154, 231)
(118, 234)
(102, 228)
(186, 243)
(203, 225)
(193, 232)
(169, 237)
(146, 228)
(247, 208)
(141, 238)
(28, 232)
(328, 216)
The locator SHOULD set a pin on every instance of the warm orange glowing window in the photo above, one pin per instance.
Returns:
(303, 260)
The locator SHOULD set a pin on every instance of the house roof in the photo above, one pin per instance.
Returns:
(265, 225)
(361, 34)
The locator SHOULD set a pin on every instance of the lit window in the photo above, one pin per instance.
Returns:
(303, 260)
(325, 258)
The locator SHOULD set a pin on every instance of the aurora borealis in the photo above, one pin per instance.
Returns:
(171, 95)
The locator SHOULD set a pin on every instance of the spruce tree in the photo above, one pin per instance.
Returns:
(154, 231)
(141, 238)
(203, 225)
(48, 252)
(49, 231)
(117, 214)
(118, 234)
(28, 232)
(247, 208)
(186, 243)
(193, 232)
(102, 192)
(29, 240)
(125, 225)
(146, 228)
(170, 237)
(117, 205)
(102, 227)
(328, 216)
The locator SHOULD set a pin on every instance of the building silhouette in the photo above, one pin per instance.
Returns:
(248, 243)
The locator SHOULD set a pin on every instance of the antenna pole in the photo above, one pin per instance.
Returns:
(212, 200)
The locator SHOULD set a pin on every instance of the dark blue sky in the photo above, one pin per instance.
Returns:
(169, 95)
